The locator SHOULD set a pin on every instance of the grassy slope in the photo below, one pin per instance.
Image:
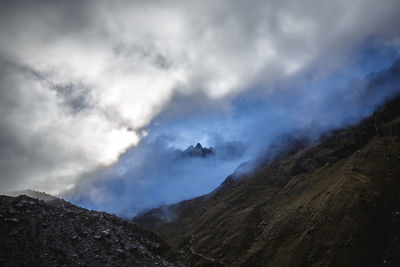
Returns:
(332, 204)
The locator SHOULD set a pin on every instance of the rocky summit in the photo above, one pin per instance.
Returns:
(197, 151)
(54, 232)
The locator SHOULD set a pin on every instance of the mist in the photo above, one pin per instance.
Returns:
(154, 173)
(92, 93)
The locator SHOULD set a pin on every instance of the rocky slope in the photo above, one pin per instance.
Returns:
(335, 203)
(53, 232)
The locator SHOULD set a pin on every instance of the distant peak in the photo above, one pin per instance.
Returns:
(197, 151)
(199, 146)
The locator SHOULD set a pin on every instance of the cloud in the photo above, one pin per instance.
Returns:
(44, 142)
(81, 80)
(153, 174)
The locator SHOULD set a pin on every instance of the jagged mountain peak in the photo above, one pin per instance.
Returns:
(197, 151)
(198, 146)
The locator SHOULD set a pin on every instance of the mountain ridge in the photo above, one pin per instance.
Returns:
(329, 204)
(332, 203)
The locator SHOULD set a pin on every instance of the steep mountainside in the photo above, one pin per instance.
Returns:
(56, 233)
(335, 203)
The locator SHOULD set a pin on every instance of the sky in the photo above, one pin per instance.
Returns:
(97, 96)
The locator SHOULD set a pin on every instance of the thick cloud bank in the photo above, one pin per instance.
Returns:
(156, 173)
(83, 81)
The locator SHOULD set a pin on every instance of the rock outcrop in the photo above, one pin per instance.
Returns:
(56, 233)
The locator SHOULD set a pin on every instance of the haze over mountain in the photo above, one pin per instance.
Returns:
(96, 96)
(232, 133)
(332, 203)
(150, 174)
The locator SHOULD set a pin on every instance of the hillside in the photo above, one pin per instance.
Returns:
(335, 203)
(54, 232)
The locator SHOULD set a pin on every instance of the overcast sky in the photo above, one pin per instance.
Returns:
(81, 82)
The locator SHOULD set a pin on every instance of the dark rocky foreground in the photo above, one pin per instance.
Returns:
(56, 233)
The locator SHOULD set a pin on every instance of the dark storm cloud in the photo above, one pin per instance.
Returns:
(85, 78)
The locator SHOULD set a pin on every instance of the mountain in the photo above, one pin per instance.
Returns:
(54, 232)
(197, 151)
(333, 203)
